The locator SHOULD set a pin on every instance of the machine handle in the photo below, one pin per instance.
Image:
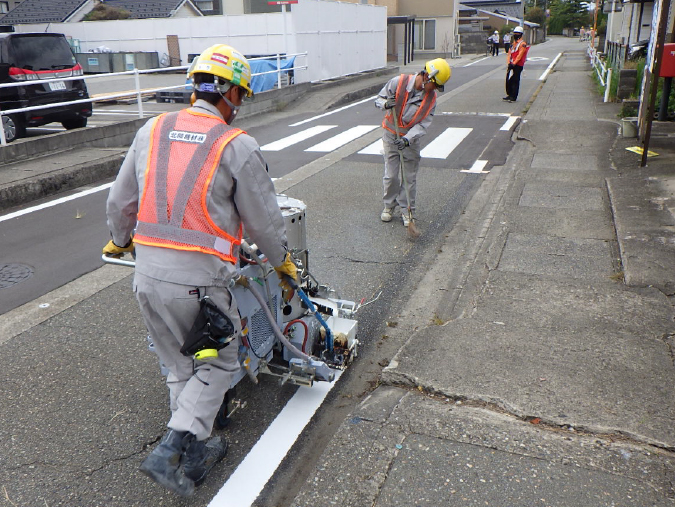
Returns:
(108, 259)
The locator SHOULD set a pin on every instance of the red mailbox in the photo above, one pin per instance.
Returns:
(668, 61)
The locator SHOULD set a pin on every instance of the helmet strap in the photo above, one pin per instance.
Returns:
(233, 109)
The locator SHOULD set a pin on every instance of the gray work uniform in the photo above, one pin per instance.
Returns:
(168, 282)
(394, 193)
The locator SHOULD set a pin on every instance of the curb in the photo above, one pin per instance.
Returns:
(67, 178)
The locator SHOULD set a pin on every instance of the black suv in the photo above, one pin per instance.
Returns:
(33, 57)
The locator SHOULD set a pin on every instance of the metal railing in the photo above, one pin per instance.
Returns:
(135, 73)
(617, 54)
(603, 71)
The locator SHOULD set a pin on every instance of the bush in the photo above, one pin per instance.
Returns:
(104, 12)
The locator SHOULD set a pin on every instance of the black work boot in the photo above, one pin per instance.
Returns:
(163, 464)
(202, 456)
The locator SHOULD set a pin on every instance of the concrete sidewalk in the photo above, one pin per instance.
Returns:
(542, 372)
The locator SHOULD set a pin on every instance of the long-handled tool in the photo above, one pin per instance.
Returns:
(413, 231)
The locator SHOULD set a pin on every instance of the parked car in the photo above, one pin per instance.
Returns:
(35, 57)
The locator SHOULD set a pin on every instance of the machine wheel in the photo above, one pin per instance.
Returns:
(76, 123)
(14, 127)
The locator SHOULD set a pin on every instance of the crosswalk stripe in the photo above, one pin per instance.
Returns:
(373, 149)
(509, 122)
(345, 137)
(296, 138)
(444, 144)
(477, 167)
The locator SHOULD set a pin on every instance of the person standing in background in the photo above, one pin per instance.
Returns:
(516, 58)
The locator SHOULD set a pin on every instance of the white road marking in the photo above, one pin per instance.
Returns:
(509, 122)
(478, 113)
(473, 63)
(477, 167)
(55, 202)
(333, 112)
(377, 148)
(444, 144)
(341, 139)
(550, 67)
(250, 477)
(296, 138)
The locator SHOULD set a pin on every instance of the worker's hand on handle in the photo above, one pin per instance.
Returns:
(390, 103)
(287, 268)
(401, 143)
(112, 250)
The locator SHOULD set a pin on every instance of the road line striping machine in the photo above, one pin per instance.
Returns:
(299, 335)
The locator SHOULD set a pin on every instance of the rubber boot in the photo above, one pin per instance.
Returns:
(202, 456)
(163, 463)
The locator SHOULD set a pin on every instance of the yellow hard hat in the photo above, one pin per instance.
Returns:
(439, 72)
(224, 62)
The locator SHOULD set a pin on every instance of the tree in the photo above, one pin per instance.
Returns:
(567, 14)
(103, 11)
(536, 15)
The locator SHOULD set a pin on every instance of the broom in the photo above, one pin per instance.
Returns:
(413, 231)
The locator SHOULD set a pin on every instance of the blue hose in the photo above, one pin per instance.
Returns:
(312, 308)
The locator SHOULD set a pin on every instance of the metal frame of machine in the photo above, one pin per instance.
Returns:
(299, 334)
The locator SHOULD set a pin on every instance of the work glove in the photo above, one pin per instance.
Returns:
(401, 143)
(510, 66)
(112, 250)
(390, 104)
(289, 268)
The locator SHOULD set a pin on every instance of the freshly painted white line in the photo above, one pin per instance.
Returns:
(333, 112)
(509, 122)
(250, 477)
(550, 67)
(55, 202)
(477, 167)
(459, 113)
(296, 138)
(341, 139)
(376, 148)
(473, 63)
(443, 145)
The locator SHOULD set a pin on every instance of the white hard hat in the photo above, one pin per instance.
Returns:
(496, 31)
(518, 29)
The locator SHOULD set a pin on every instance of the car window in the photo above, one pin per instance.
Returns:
(42, 53)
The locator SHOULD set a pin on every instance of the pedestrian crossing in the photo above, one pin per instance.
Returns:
(470, 142)
(439, 148)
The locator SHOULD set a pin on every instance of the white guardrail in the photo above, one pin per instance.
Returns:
(603, 71)
(137, 83)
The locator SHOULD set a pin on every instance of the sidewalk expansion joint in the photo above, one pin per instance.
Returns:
(408, 383)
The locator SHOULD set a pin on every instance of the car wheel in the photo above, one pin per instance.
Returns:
(13, 127)
(76, 123)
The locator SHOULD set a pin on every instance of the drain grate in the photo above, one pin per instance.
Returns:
(11, 274)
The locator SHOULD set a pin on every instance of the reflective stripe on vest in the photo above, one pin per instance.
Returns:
(185, 151)
(428, 103)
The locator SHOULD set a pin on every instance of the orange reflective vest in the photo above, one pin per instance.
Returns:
(428, 102)
(184, 154)
(517, 53)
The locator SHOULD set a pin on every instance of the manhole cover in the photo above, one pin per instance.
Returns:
(11, 274)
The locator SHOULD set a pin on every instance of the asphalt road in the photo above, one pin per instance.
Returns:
(350, 249)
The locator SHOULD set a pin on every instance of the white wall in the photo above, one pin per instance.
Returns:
(340, 38)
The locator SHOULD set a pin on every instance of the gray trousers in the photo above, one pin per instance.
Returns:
(394, 193)
(196, 389)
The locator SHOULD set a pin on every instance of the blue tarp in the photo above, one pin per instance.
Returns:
(268, 81)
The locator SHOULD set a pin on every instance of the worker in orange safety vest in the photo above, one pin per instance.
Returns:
(188, 185)
(516, 58)
(413, 99)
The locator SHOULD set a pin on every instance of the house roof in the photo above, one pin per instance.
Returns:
(510, 8)
(141, 9)
(514, 19)
(58, 11)
(41, 11)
